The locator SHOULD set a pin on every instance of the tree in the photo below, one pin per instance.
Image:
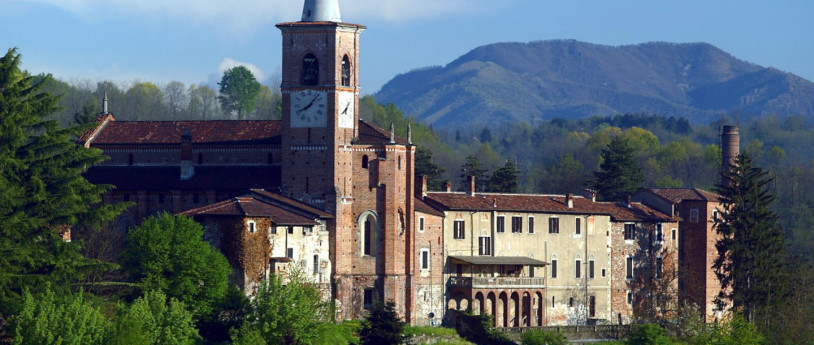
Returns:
(424, 166)
(167, 253)
(42, 191)
(619, 172)
(176, 98)
(751, 248)
(504, 179)
(238, 91)
(382, 326)
(648, 334)
(202, 102)
(152, 319)
(473, 167)
(541, 337)
(47, 319)
(285, 312)
(145, 101)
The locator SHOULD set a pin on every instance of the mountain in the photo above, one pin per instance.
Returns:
(509, 82)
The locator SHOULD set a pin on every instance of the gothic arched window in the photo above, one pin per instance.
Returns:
(310, 70)
(367, 230)
(345, 71)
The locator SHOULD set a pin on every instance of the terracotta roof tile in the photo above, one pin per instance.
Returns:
(635, 212)
(676, 195)
(512, 202)
(423, 207)
(203, 132)
(274, 197)
(249, 206)
(372, 134)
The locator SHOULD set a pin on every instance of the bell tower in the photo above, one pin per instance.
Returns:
(320, 88)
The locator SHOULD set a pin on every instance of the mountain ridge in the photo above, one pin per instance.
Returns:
(540, 80)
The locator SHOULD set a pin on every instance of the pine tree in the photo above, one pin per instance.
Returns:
(42, 191)
(425, 166)
(383, 326)
(473, 167)
(751, 249)
(504, 179)
(619, 172)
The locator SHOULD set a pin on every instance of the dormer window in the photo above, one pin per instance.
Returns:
(345, 71)
(310, 70)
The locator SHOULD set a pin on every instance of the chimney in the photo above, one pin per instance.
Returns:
(730, 148)
(589, 194)
(409, 134)
(421, 186)
(448, 187)
(569, 200)
(104, 104)
(629, 200)
(187, 170)
(392, 133)
(470, 182)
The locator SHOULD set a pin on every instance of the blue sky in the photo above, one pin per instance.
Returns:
(193, 41)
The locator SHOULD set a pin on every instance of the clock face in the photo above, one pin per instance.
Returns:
(345, 109)
(308, 109)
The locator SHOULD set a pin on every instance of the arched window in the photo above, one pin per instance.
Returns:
(345, 71)
(364, 162)
(310, 70)
(368, 225)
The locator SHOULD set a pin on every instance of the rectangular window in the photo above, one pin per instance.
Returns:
(630, 232)
(675, 235)
(578, 269)
(531, 225)
(316, 264)
(571, 301)
(554, 268)
(629, 297)
(603, 273)
(420, 224)
(659, 267)
(290, 229)
(425, 259)
(629, 267)
(578, 227)
(458, 231)
(659, 238)
(552, 301)
(592, 306)
(517, 225)
(289, 253)
(368, 299)
(273, 230)
(553, 225)
(501, 224)
(694, 215)
(252, 228)
(591, 269)
(485, 245)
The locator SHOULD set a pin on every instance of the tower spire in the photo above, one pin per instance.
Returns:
(321, 11)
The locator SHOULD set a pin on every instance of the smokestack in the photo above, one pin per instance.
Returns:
(187, 170)
(730, 148)
(470, 181)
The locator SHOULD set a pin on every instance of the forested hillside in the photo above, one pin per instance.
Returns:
(544, 80)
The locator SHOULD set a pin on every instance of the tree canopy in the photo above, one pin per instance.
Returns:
(42, 191)
(168, 253)
(238, 91)
(619, 172)
(504, 179)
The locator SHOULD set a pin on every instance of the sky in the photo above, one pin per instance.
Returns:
(194, 41)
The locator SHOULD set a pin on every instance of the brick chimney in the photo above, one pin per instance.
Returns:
(448, 187)
(187, 170)
(421, 186)
(470, 183)
(569, 200)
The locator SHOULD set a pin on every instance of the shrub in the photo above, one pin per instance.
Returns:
(45, 319)
(540, 337)
(382, 326)
(154, 320)
(648, 334)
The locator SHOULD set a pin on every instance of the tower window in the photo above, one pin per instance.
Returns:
(129, 159)
(364, 162)
(200, 158)
(345, 71)
(310, 70)
(271, 158)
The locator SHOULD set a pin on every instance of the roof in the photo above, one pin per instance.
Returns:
(636, 211)
(372, 134)
(203, 132)
(321, 11)
(166, 178)
(274, 197)
(249, 206)
(676, 195)
(423, 207)
(499, 260)
(512, 202)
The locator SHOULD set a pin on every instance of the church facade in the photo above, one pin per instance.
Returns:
(336, 197)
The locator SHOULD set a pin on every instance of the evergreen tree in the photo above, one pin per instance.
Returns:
(424, 166)
(619, 172)
(383, 326)
(751, 249)
(504, 179)
(473, 167)
(42, 191)
(238, 91)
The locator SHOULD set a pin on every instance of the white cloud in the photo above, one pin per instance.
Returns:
(228, 63)
(242, 15)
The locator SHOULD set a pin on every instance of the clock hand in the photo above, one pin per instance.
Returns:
(346, 109)
(309, 104)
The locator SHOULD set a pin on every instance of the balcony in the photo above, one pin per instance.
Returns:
(497, 282)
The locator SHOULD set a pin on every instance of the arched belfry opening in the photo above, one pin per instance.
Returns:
(346, 71)
(310, 70)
